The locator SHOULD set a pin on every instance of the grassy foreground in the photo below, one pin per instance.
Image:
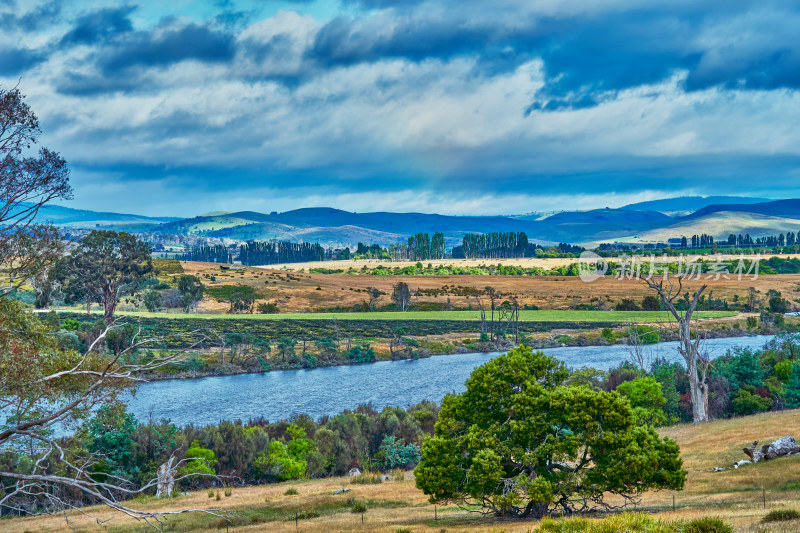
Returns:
(524, 316)
(394, 506)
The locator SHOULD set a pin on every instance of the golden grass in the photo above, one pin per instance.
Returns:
(304, 292)
(736, 495)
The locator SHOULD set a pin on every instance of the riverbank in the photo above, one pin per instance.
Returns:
(199, 364)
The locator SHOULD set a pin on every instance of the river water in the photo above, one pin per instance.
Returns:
(327, 391)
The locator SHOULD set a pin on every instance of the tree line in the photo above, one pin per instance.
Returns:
(270, 253)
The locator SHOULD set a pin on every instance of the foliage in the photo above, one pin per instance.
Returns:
(366, 479)
(200, 461)
(191, 290)
(291, 491)
(707, 524)
(286, 460)
(781, 515)
(358, 507)
(793, 387)
(395, 453)
(110, 435)
(104, 266)
(361, 354)
(27, 182)
(517, 443)
(270, 308)
(647, 400)
(747, 403)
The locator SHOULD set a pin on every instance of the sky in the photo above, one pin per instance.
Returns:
(180, 107)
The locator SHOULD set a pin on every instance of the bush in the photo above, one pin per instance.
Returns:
(781, 515)
(305, 515)
(366, 479)
(745, 403)
(361, 354)
(708, 524)
(291, 491)
(359, 507)
(268, 308)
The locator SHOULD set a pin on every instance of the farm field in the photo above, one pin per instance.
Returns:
(734, 495)
(294, 292)
(643, 317)
(527, 262)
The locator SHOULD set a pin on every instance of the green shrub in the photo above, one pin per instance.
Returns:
(210, 493)
(305, 515)
(781, 515)
(708, 524)
(228, 491)
(783, 370)
(366, 479)
(359, 507)
(746, 403)
(291, 491)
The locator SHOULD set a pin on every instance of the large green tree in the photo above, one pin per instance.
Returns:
(107, 264)
(518, 443)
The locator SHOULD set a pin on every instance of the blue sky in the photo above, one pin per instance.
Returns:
(458, 107)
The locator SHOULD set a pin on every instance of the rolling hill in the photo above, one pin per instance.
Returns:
(68, 217)
(719, 224)
(777, 208)
(685, 205)
(643, 222)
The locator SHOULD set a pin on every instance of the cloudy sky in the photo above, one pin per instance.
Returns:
(181, 107)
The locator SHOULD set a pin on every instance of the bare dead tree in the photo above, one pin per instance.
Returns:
(638, 354)
(697, 360)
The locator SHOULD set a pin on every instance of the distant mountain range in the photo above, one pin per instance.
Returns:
(653, 221)
(68, 217)
(684, 205)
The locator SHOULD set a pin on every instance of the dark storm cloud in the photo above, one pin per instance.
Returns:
(99, 25)
(14, 61)
(584, 54)
(32, 20)
(166, 46)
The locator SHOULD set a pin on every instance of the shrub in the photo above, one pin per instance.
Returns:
(361, 354)
(228, 491)
(291, 491)
(210, 493)
(707, 524)
(781, 515)
(745, 403)
(268, 308)
(366, 479)
(305, 515)
(359, 507)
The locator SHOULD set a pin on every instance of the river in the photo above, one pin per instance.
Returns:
(327, 391)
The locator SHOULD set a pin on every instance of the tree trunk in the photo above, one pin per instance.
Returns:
(689, 350)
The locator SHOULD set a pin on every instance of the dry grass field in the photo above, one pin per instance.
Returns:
(393, 506)
(527, 262)
(304, 292)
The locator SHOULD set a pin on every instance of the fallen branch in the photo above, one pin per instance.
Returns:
(782, 447)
